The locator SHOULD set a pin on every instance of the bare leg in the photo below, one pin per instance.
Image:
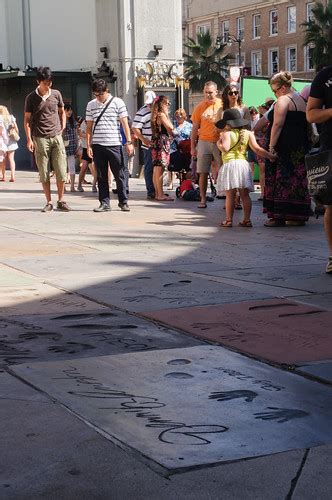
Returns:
(262, 176)
(72, 182)
(3, 170)
(230, 197)
(47, 190)
(61, 189)
(81, 175)
(246, 201)
(328, 225)
(203, 178)
(12, 165)
(93, 171)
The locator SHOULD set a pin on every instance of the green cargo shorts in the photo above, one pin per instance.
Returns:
(50, 151)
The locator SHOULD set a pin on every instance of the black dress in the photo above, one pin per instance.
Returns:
(286, 195)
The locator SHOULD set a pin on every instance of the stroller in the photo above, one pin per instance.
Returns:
(181, 162)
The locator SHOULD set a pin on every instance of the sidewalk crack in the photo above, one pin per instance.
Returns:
(295, 479)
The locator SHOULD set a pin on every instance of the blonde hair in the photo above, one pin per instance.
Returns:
(181, 112)
(282, 78)
(5, 114)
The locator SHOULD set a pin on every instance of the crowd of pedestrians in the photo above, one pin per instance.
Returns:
(224, 139)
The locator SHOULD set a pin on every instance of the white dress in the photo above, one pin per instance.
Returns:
(235, 172)
(12, 145)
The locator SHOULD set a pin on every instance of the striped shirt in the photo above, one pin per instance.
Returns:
(107, 132)
(142, 121)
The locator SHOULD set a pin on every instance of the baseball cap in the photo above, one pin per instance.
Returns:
(149, 97)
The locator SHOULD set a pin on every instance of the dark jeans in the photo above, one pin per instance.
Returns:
(112, 156)
(148, 169)
(192, 195)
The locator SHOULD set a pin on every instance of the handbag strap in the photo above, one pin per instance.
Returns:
(101, 114)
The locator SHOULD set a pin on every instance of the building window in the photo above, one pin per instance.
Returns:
(291, 19)
(256, 63)
(273, 61)
(256, 26)
(291, 58)
(202, 29)
(310, 6)
(240, 28)
(225, 31)
(273, 22)
(308, 58)
(243, 59)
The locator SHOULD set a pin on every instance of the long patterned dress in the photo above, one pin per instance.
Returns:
(286, 195)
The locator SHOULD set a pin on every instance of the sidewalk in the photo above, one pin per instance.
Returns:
(155, 355)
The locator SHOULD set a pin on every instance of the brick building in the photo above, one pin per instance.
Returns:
(264, 36)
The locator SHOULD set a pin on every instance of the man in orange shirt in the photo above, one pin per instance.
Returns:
(204, 136)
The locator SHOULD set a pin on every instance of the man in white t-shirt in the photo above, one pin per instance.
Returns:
(104, 114)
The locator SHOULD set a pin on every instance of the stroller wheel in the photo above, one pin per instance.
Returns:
(177, 192)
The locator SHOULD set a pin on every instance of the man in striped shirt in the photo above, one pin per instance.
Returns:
(104, 114)
(142, 129)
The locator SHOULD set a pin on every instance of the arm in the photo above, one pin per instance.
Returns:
(224, 142)
(140, 136)
(129, 145)
(280, 112)
(262, 122)
(257, 149)
(167, 123)
(62, 116)
(89, 125)
(194, 139)
(315, 113)
(27, 128)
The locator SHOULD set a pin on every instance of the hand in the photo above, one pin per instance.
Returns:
(146, 142)
(89, 151)
(193, 152)
(130, 149)
(30, 145)
(272, 156)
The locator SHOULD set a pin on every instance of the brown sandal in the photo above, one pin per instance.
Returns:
(245, 223)
(226, 223)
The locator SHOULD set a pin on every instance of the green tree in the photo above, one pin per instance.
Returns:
(318, 33)
(204, 62)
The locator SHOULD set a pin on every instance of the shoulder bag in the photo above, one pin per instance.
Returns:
(319, 175)
(101, 114)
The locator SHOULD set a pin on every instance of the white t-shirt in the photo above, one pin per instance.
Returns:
(107, 132)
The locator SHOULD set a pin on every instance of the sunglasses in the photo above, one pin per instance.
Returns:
(233, 92)
(276, 90)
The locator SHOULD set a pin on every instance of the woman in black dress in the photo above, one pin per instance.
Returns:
(286, 196)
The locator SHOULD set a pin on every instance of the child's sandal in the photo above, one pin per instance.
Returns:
(226, 223)
(245, 223)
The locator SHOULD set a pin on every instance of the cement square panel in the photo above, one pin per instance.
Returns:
(309, 277)
(278, 330)
(189, 407)
(320, 300)
(150, 291)
(93, 332)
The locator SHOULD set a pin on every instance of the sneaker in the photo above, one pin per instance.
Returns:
(63, 207)
(151, 196)
(124, 207)
(103, 207)
(47, 208)
(94, 189)
(329, 265)
(80, 189)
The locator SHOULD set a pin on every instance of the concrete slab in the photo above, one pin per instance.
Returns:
(150, 291)
(52, 454)
(81, 333)
(310, 278)
(320, 369)
(315, 480)
(13, 278)
(228, 407)
(41, 298)
(13, 389)
(278, 330)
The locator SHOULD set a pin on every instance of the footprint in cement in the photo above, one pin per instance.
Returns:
(178, 284)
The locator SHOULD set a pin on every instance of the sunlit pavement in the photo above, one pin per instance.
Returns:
(151, 354)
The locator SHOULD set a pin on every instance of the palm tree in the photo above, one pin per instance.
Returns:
(318, 33)
(205, 62)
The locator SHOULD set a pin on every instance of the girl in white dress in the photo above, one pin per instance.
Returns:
(236, 172)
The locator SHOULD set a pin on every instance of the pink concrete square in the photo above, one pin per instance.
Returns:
(277, 330)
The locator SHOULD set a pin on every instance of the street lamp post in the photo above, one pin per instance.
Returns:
(236, 39)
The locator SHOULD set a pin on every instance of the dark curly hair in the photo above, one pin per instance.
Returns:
(224, 95)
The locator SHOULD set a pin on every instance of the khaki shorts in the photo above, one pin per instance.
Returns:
(206, 153)
(50, 151)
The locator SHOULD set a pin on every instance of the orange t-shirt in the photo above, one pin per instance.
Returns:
(206, 114)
